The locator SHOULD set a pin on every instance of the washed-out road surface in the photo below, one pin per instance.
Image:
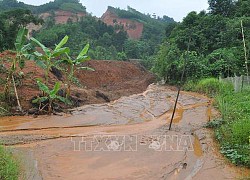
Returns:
(124, 139)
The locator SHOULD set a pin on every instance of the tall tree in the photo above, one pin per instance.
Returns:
(11, 21)
(222, 7)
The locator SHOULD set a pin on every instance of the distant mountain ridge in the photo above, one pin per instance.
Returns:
(134, 22)
(64, 5)
(62, 11)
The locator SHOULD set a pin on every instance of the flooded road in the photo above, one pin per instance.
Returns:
(125, 139)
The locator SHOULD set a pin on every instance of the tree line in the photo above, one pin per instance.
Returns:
(212, 43)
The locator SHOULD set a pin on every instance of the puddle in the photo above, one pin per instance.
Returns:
(196, 105)
(197, 147)
(178, 115)
(13, 122)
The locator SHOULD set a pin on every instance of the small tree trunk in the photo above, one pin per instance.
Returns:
(245, 50)
(68, 91)
(50, 107)
(17, 98)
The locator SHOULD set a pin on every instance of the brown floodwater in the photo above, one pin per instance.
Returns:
(197, 146)
(49, 142)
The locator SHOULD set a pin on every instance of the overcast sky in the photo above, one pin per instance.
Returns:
(172, 8)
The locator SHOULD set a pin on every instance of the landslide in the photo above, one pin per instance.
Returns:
(110, 81)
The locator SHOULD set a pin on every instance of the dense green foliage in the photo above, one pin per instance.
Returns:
(233, 130)
(106, 42)
(69, 66)
(9, 168)
(57, 58)
(21, 54)
(50, 96)
(10, 22)
(6, 5)
(68, 5)
(214, 40)
(234, 133)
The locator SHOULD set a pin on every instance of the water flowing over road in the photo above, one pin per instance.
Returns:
(124, 139)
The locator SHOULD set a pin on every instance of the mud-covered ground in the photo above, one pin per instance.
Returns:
(124, 139)
(110, 81)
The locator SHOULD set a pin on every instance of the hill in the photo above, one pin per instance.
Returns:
(117, 35)
(136, 24)
(60, 10)
(64, 5)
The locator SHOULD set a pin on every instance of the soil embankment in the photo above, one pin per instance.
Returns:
(110, 81)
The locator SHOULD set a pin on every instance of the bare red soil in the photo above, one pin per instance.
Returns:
(110, 81)
(133, 28)
(61, 17)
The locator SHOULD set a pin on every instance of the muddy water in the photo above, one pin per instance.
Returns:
(125, 139)
(197, 146)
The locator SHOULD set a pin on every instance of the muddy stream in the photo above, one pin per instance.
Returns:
(124, 139)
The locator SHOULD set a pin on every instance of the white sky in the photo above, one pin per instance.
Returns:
(172, 8)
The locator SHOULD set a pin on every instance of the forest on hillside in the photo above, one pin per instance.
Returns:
(207, 46)
(213, 40)
(67, 5)
(107, 42)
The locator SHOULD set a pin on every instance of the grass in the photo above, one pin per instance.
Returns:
(208, 86)
(9, 169)
(3, 111)
(233, 129)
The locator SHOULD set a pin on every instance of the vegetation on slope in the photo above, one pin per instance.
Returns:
(233, 129)
(105, 41)
(67, 5)
(9, 168)
(212, 45)
(154, 28)
(154, 31)
(10, 22)
(214, 40)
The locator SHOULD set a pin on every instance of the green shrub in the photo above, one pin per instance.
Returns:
(73, 7)
(190, 86)
(234, 134)
(209, 86)
(233, 130)
(9, 168)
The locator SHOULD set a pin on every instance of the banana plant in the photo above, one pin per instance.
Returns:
(22, 50)
(73, 64)
(50, 96)
(45, 59)
(22, 53)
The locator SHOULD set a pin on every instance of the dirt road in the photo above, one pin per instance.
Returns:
(125, 139)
